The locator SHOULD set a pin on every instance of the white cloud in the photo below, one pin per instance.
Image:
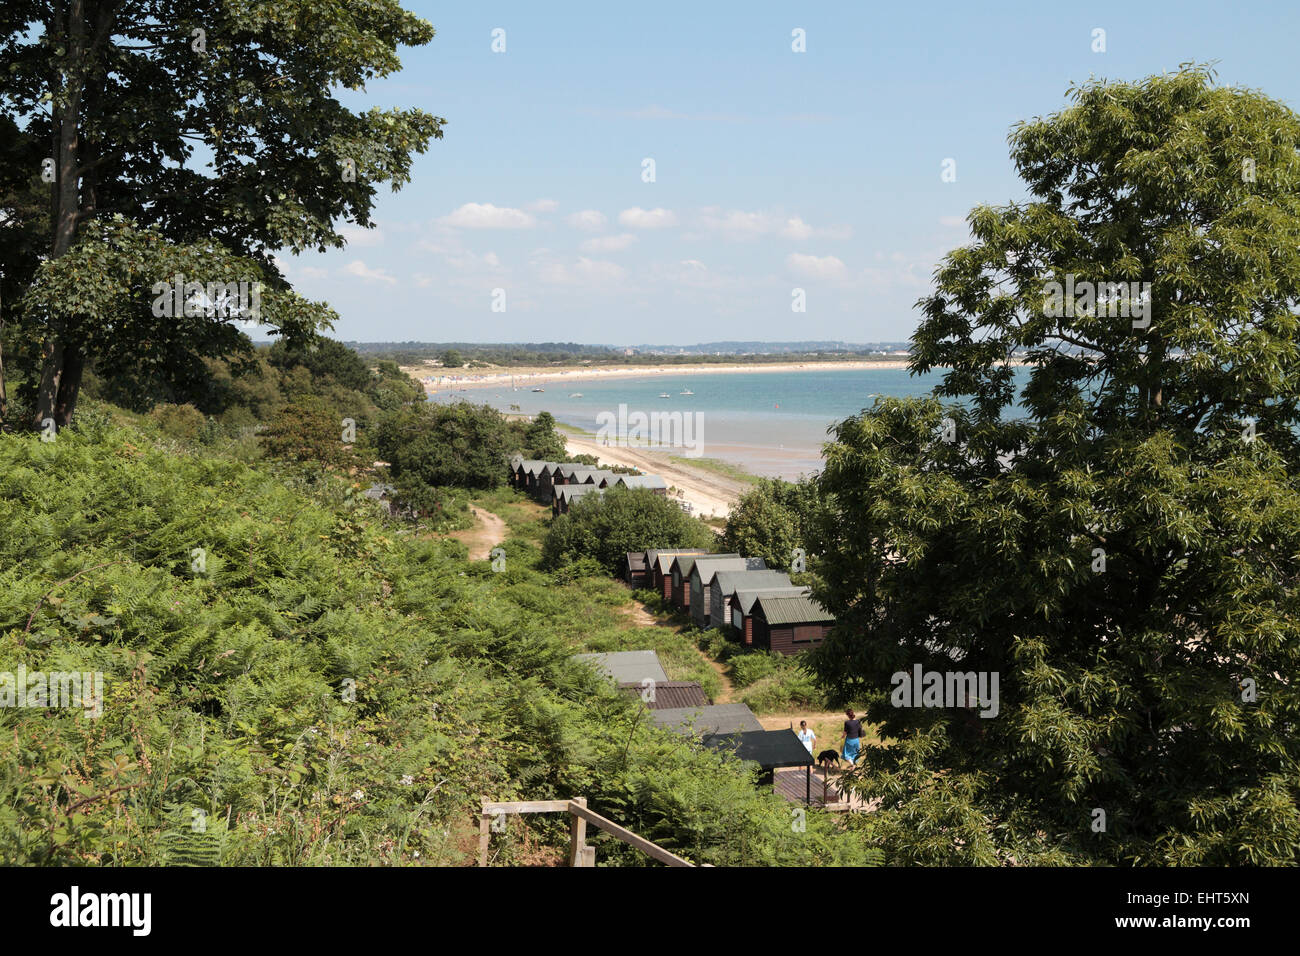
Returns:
(469, 261)
(474, 215)
(589, 220)
(815, 267)
(608, 243)
(638, 218)
(358, 268)
(737, 224)
(585, 272)
(542, 205)
(311, 272)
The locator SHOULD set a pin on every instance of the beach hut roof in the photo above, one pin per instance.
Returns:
(532, 466)
(708, 567)
(729, 582)
(664, 559)
(570, 492)
(642, 481)
(669, 695)
(627, 667)
(711, 719)
(685, 560)
(770, 749)
(635, 559)
(745, 598)
(793, 610)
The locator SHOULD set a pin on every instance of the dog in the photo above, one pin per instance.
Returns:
(831, 757)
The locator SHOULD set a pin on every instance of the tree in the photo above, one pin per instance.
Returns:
(771, 520)
(212, 122)
(307, 431)
(541, 441)
(606, 527)
(451, 359)
(1124, 556)
(460, 445)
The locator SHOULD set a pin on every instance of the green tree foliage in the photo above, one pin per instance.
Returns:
(451, 359)
(464, 445)
(771, 520)
(1124, 556)
(307, 432)
(605, 527)
(212, 123)
(541, 441)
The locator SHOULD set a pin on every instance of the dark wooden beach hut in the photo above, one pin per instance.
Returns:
(700, 579)
(740, 609)
(789, 624)
(727, 583)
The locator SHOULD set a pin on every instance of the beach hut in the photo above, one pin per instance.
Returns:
(680, 574)
(545, 480)
(700, 580)
(633, 569)
(789, 624)
(563, 497)
(526, 479)
(740, 609)
(653, 482)
(661, 562)
(727, 583)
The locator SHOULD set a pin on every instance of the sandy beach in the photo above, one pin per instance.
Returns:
(436, 377)
(709, 493)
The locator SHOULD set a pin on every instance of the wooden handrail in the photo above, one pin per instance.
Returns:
(579, 853)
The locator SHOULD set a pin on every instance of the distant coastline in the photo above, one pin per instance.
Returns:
(435, 377)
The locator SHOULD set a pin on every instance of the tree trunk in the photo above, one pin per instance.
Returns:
(61, 380)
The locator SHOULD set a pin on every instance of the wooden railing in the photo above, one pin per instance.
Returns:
(579, 853)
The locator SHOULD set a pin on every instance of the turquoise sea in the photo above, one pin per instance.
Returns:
(772, 423)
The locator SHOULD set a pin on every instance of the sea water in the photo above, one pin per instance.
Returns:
(771, 423)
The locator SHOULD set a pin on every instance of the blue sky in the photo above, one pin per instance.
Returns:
(774, 170)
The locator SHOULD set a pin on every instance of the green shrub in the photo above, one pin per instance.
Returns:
(606, 527)
(184, 422)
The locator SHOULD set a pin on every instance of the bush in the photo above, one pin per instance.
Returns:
(184, 422)
(461, 445)
(605, 527)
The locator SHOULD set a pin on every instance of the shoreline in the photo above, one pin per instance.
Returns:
(532, 375)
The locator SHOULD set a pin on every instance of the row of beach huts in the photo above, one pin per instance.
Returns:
(752, 604)
(559, 483)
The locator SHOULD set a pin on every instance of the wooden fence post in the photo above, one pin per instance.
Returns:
(484, 835)
(577, 835)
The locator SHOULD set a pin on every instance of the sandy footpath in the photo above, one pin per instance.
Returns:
(708, 492)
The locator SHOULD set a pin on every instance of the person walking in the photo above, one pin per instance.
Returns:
(852, 736)
(806, 736)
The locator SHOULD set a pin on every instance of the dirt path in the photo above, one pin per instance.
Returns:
(484, 536)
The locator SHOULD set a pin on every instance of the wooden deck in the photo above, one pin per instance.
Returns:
(790, 783)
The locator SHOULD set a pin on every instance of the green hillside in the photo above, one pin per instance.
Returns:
(229, 734)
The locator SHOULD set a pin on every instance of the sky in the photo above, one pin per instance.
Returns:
(774, 170)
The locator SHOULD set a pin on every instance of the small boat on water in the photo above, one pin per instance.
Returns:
(686, 391)
(539, 389)
(664, 395)
(576, 395)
